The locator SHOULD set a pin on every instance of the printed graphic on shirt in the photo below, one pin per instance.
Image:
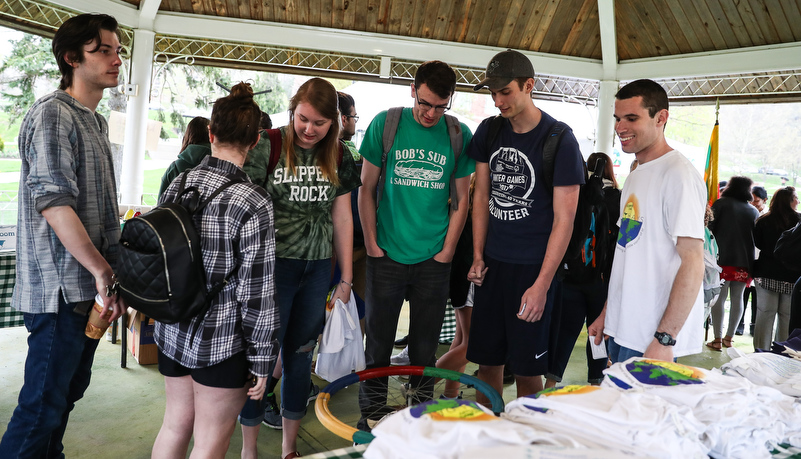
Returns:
(658, 373)
(569, 389)
(512, 184)
(451, 410)
(630, 222)
(418, 168)
(305, 181)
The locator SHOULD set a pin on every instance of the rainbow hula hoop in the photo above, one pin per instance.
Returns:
(350, 433)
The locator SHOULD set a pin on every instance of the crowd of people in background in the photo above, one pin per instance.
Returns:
(485, 219)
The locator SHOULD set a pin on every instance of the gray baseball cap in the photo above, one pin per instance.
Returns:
(505, 67)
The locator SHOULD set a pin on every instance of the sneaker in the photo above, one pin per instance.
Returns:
(402, 358)
(402, 342)
(314, 391)
(272, 413)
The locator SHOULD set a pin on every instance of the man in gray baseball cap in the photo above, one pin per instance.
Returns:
(521, 227)
(505, 67)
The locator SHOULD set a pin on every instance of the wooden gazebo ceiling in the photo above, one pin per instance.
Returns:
(697, 47)
(645, 28)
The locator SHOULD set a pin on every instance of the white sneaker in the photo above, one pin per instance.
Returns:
(402, 358)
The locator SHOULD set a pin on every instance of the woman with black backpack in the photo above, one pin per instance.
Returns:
(212, 363)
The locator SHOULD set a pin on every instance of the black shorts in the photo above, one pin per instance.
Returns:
(497, 335)
(231, 373)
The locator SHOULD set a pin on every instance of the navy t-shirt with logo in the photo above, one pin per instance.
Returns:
(520, 207)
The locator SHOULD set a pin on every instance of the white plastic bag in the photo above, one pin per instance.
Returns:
(341, 350)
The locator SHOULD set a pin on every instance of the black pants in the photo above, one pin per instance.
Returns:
(579, 302)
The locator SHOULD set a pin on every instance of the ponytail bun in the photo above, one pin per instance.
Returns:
(241, 90)
(235, 118)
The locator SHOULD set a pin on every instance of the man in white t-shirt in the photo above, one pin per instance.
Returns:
(655, 305)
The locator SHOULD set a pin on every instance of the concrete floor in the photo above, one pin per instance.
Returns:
(122, 410)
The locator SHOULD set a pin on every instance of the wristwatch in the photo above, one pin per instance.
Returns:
(664, 339)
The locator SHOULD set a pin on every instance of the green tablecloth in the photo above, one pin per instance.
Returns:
(9, 317)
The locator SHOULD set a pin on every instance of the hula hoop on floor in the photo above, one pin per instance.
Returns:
(341, 429)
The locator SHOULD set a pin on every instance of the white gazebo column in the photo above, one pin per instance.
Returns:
(606, 123)
(133, 155)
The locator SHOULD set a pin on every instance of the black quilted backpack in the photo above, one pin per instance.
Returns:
(160, 267)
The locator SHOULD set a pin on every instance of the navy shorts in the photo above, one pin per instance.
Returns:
(497, 336)
(231, 373)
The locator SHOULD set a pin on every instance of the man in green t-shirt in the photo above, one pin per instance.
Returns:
(411, 235)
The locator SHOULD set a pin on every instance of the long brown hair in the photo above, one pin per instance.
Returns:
(197, 132)
(781, 208)
(321, 95)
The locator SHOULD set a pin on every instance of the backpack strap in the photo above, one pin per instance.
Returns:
(494, 129)
(457, 144)
(549, 149)
(388, 138)
(276, 142)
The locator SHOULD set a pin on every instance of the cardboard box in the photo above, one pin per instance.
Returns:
(8, 237)
(141, 341)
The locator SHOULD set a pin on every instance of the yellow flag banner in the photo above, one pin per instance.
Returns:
(711, 170)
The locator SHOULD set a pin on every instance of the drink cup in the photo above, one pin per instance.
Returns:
(96, 325)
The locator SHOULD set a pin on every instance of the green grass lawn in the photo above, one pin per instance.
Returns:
(10, 165)
(151, 185)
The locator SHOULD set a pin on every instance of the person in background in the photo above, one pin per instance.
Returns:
(774, 280)
(655, 304)
(583, 302)
(733, 228)
(347, 109)
(759, 200)
(209, 374)
(69, 230)
(194, 147)
(310, 187)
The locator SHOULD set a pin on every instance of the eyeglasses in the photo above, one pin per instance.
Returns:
(427, 107)
(355, 117)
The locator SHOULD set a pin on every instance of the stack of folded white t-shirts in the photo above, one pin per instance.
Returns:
(636, 424)
(766, 369)
(742, 420)
(448, 429)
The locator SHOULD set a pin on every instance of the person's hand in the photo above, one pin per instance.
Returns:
(596, 329)
(113, 306)
(477, 272)
(256, 392)
(532, 305)
(658, 351)
(442, 257)
(373, 250)
(342, 293)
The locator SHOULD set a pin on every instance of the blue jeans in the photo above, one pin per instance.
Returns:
(425, 285)
(57, 372)
(618, 353)
(301, 289)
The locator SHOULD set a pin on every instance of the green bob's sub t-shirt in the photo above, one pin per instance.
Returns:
(412, 217)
